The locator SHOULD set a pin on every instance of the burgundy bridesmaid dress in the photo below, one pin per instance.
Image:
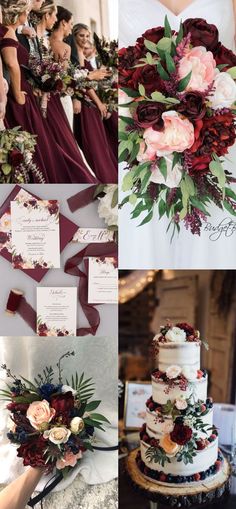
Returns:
(91, 136)
(54, 162)
(111, 128)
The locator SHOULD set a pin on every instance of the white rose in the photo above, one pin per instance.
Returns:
(176, 335)
(173, 176)
(67, 388)
(181, 403)
(76, 425)
(173, 372)
(123, 99)
(224, 94)
(189, 373)
(57, 435)
(105, 210)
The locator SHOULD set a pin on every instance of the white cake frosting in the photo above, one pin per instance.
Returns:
(158, 425)
(183, 354)
(197, 389)
(202, 461)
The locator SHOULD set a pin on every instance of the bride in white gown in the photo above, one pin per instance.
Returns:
(149, 246)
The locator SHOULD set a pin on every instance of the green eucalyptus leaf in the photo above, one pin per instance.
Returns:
(162, 72)
(170, 63)
(167, 27)
(151, 46)
(184, 82)
(141, 90)
(232, 72)
(218, 171)
(147, 219)
(164, 44)
(163, 167)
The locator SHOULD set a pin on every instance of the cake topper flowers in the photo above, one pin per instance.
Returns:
(177, 123)
(53, 423)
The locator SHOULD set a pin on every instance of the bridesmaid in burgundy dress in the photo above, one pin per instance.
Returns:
(88, 125)
(56, 120)
(111, 120)
(22, 107)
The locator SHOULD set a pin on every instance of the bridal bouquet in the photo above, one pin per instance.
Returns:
(76, 81)
(53, 424)
(17, 149)
(177, 123)
(45, 76)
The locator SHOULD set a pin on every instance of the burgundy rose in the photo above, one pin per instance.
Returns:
(193, 106)
(16, 157)
(4, 237)
(217, 134)
(148, 77)
(53, 208)
(42, 328)
(200, 164)
(62, 403)
(153, 35)
(187, 328)
(128, 58)
(59, 86)
(202, 33)
(224, 56)
(149, 115)
(33, 451)
(181, 434)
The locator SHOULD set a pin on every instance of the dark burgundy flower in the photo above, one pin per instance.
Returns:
(128, 58)
(4, 237)
(18, 407)
(193, 106)
(53, 207)
(17, 259)
(59, 86)
(181, 434)
(202, 33)
(32, 203)
(216, 134)
(149, 115)
(153, 35)
(42, 328)
(33, 451)
(16, 157)
(148, 77)
(224, 56)
(187, 328)
(62, 403)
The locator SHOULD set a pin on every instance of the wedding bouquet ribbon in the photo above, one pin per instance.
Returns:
(108, 249)
(48, 488)
(82, 198)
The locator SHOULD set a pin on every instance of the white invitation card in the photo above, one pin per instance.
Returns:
(35, 233)
(56, 311)
(95, 235)
(102, 281)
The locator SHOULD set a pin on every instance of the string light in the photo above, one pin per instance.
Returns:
(133, 284)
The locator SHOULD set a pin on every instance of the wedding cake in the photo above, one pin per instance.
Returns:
(178, 442)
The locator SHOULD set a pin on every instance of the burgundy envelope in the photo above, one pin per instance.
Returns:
(67, 231)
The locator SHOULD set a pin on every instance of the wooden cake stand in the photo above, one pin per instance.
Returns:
(205, 493)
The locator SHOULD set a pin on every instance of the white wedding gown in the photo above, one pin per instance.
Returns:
(149, 246)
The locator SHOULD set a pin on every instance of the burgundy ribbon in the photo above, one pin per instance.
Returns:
(81, 199)
(108, 249)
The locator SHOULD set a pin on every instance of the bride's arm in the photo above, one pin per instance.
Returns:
(17, 494)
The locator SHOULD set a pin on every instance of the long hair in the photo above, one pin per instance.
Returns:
(78, 27)
(48, 7)
(62, 15)
(12, 9)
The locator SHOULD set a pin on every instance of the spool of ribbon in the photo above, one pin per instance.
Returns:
(17, 304)
(83, 198)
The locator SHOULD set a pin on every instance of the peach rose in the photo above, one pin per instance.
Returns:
(39, 413)
(177, 136)
(69, 460)
(170, 447)
(203, 66)
(146, 153)
(57, 435)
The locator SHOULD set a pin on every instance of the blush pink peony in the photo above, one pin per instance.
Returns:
(69, 460)
(177, 135)
(201, 63)
(146, 153)
(39, 413)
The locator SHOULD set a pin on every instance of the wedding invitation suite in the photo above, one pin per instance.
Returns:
(35, 233)
(56, 311)
(95, 235)
(102, 281)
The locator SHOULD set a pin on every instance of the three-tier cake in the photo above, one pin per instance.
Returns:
(178, 443)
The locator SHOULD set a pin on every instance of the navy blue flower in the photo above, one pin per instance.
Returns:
(16, 390)
(47, 390)
(75, 412)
